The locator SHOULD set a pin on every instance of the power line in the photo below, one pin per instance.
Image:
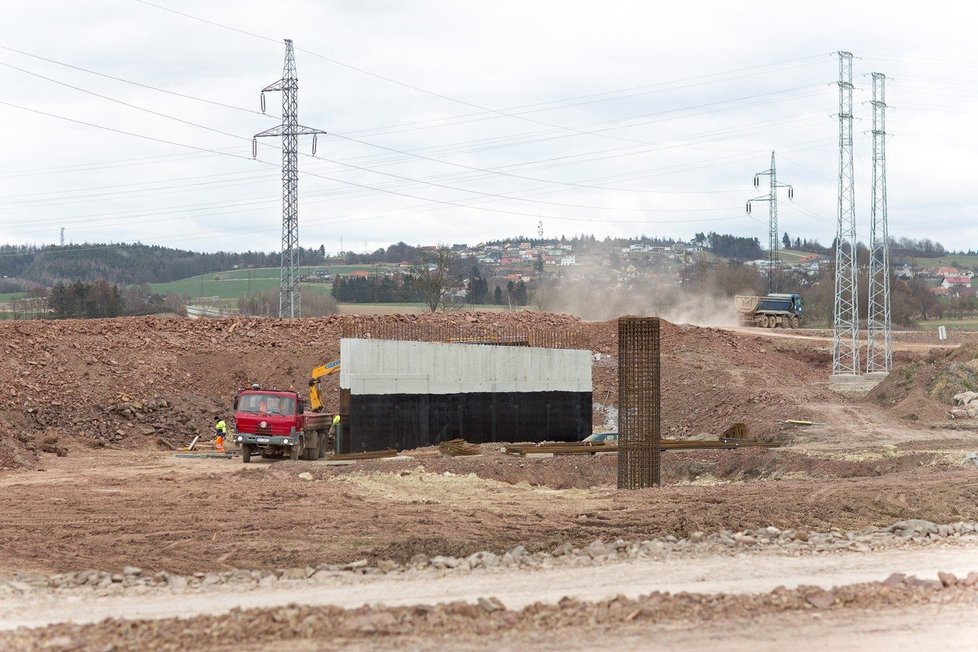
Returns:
(128, 81)
(377, 75)
(349, 138)
(349, 183)
(361, 168)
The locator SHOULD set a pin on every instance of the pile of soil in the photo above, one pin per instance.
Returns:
(138, 382)
(924, 387)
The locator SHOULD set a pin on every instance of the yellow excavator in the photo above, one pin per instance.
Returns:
(320, 372)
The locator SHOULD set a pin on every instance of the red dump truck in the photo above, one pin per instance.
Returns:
(274, 423)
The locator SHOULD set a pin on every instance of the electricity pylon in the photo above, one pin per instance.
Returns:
(775, 278)
(845, 317)
(879, 350)
(290, 130)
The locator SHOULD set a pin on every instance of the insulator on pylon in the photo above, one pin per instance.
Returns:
(263, 101)
(756, 182)
(748, 208)
(791, 192)
(314, 140)
(254, 148)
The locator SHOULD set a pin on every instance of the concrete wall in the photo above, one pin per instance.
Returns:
(393, 367)
(410, 394)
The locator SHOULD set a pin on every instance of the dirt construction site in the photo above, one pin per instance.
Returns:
(854, 527)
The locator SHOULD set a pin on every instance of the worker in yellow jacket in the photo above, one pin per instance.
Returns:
(337, 431)
(221, 433)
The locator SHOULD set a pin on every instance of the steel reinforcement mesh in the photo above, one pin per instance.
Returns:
(461, 333)
(639, 402)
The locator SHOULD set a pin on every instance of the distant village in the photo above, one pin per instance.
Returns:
(656, 263)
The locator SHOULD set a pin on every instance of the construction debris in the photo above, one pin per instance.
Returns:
(738, 430)
(367, 455)
(569, 448)
(587, 448)
(196, 455)
(456, 447)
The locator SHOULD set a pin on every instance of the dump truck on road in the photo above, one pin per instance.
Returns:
(771, 311)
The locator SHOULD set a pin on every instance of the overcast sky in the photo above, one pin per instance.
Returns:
(461, 121)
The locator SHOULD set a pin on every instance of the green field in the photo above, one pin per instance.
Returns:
(967, 262)
(10, 296)
(237, 283)
(792, 256)
(950, 324)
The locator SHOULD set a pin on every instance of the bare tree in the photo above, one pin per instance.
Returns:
(433, 273)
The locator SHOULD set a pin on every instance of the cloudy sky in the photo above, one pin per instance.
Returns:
(461, 121)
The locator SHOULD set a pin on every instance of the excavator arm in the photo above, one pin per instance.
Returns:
(320, 372)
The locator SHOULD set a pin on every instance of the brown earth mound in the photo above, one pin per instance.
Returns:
(138, 382)
(924, 387)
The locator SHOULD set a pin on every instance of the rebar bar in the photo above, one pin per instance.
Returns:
(464, 333)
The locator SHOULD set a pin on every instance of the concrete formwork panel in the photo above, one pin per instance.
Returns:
(410, 394)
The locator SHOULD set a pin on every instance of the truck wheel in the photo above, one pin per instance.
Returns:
(245, 453)
(294, 452)
(795, 322)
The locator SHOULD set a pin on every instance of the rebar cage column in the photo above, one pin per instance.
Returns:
(639, 402)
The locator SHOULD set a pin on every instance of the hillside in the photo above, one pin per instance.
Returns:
(128, 264)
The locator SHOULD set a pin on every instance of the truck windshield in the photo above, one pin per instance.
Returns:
(266, 404)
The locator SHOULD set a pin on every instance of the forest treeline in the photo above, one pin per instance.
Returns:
(128, 264)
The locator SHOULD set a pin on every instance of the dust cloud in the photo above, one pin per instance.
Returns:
(698, 308)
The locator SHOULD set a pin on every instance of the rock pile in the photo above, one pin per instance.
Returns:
(420, 626)
(967, 403)
(768, 540)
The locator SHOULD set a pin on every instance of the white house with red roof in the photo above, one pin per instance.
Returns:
(956, 282)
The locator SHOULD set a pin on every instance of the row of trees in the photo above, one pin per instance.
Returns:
(266, 304)
(904, 247)
(83, 299)
(389, 288)
(730, 246)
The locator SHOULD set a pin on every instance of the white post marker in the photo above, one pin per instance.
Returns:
(942, 333)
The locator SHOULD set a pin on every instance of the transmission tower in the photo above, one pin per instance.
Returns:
(540, 229)
(62, 236)
(774, 243)
(879, 351)
(845, 332)
(289, 130)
